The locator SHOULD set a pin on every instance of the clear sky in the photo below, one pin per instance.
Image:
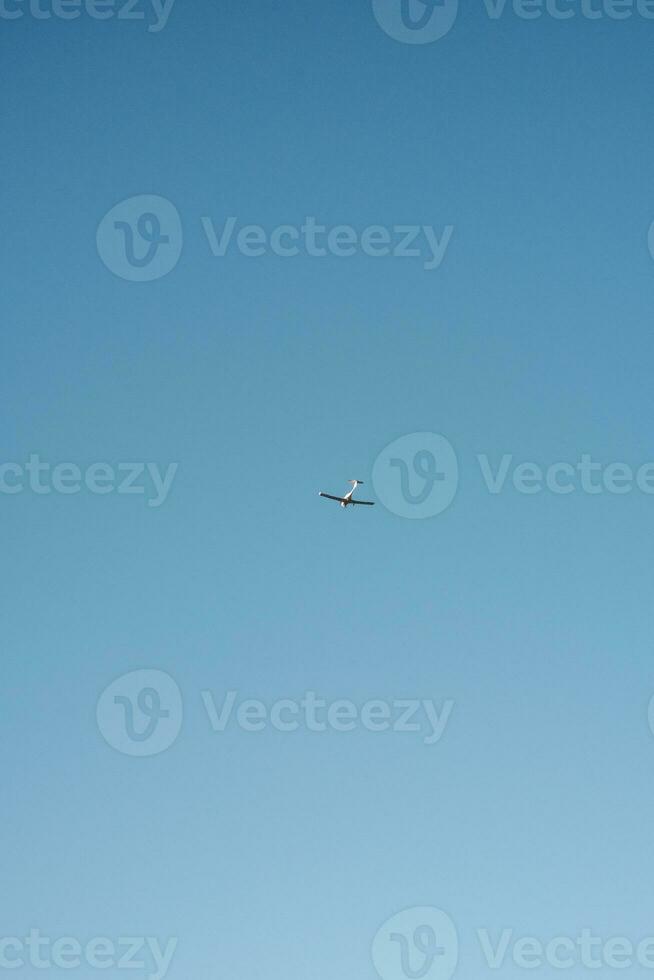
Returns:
(274, 855)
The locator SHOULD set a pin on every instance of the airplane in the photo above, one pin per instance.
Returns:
(347, 500)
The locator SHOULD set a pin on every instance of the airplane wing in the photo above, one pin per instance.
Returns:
(341, 500)
(368, 503)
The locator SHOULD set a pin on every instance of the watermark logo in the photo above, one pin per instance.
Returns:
(415, 21)
(423, 944)
(417, 944)
(141, 713)
(424, 21)
(141, 239)
(417, 475)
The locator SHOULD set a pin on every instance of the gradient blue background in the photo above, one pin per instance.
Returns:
(278, 856)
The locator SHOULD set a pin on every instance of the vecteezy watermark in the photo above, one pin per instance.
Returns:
(424, 21)
(415, 21)
(155, 12)
(417, 476)
(417, 944)
(567, 9)
(586, 475)
(140, 239)
(36, 476)
(565, 952)
(315, 714)
(343, 241)
(423, 942)
(99, 953)
(141, 713)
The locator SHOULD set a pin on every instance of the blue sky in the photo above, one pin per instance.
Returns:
(271, 854)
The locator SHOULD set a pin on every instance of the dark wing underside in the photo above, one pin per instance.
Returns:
(341, 500)
(366, 503)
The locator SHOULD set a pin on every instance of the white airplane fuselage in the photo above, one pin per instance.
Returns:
(347, 499)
